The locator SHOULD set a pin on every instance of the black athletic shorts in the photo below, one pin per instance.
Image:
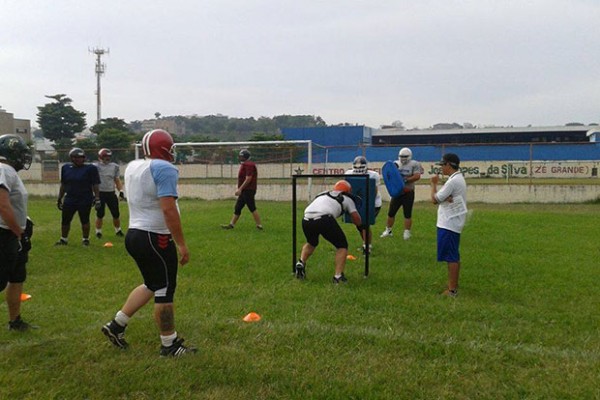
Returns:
(9, 251)
(110, 200)
(245, 199)
(327, 227)
(69, 211)
(156, 257)
(406, 201)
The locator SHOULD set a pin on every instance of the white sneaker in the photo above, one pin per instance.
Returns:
(406, 234)
(386, 233)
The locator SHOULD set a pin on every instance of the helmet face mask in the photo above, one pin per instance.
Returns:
(405, 155)
(359, 166)
(159, 144)
(15, 152)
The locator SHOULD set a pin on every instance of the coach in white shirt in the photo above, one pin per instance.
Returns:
(452, 213)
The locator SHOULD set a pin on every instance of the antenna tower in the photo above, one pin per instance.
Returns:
(100, 68)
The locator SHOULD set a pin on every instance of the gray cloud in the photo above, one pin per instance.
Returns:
(487, 62)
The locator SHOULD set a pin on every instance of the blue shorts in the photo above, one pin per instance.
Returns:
(447, 245)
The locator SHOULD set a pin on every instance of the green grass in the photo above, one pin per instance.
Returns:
(525, 325)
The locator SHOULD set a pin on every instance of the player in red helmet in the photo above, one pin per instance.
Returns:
(154, 239)
(109, 181)
(159, 144)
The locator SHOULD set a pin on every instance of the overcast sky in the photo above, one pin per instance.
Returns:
(500, 62)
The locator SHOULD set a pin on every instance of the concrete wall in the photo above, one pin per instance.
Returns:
(499, 194)
(489, 193)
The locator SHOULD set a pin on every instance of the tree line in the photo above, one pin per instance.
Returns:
(60, 122)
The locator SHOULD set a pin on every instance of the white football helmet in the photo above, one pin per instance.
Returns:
(359, 166)
(405, 155)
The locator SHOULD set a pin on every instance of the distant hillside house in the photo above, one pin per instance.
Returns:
(168, 124)
(11, 125)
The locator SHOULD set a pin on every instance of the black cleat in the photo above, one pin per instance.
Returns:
(86, 242)
(300, 270)
(177, 349)
(119, 233)
(227, 226)
(341, 279)
(61, 242)
(116, 334)
(19, 325)
(99, 235)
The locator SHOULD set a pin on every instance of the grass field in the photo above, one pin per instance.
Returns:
(525, 325)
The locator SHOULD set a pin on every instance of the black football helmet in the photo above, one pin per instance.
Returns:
(244, 155)
(15, 152)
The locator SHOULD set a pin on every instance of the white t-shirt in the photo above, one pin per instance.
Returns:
(326, 205)
(373, 175)
(10, 180)
(146, 181)
(452, 216)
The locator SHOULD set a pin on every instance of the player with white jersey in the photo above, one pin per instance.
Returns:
(411, 171)
(359, 167)
(320, 220)
(153, 240)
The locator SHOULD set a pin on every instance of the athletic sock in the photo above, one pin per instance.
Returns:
(336, 276)
(121, 318)
(167, 341)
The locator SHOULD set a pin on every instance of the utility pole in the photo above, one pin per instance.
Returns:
(100, 68)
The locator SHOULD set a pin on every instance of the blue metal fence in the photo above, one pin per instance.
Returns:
(496, 152)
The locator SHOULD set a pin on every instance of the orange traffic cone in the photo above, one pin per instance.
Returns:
(25, 296)
(252, 317)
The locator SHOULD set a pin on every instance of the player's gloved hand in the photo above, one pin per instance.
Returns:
(25, 243)
(122, 196)
(59, 204)
(97, 204)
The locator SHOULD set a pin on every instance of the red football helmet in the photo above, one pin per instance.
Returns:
(158, 144)
(104, 153)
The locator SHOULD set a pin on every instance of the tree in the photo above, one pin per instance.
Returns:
(263, 137)
(110, 123)
(59, 120)
(118, 141)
